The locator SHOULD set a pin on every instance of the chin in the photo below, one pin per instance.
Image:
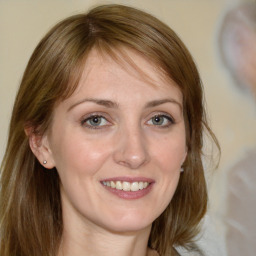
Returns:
(130, 222)
(128, 227)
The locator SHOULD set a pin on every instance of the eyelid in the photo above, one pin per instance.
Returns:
(85, 118)
(169, 117)
(162, 113)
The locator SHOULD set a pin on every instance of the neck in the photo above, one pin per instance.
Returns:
(100, 242)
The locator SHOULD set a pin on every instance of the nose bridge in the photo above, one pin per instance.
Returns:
(131, 149)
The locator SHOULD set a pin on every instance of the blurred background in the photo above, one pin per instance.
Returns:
(231, 109)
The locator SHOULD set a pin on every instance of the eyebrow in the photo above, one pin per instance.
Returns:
(111, 104)
(155, 103)
(105, 103)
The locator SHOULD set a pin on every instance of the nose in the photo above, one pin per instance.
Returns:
(131, 149)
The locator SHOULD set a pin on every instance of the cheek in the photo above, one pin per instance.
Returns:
(168, 158)
(81, 156)
(170, 153)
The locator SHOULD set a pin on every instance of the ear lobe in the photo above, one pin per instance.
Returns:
(39, 145)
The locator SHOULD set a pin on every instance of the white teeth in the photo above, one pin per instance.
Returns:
(126, 186)
(141, 185)
(113, 185)
(135, 186)
(119, 185)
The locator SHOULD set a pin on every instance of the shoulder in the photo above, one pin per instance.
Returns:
(180, 251)
(192, 250)
(155, 253)
(176, 252)
(152, 252)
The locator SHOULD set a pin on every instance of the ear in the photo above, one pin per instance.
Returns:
(40, 147)
(184, 157)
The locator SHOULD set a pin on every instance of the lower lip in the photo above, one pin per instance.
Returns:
(129, 195)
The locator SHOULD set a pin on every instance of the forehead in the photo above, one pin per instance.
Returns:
(123, 63)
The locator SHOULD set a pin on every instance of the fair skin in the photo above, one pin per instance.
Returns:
(121, 129)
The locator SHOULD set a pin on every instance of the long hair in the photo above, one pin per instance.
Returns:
(30, 207)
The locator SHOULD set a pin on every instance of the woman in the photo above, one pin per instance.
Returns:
(105, 145)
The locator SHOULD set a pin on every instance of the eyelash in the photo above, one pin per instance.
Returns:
(90, 118)
(167, 118)
(84, 121)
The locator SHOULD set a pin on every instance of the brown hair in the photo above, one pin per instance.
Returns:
(30, 212)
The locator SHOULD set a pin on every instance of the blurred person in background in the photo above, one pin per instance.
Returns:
(237, 41)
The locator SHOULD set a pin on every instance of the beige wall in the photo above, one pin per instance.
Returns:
(232, 114)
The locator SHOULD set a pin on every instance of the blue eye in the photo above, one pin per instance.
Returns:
(161, 120)
(95, 121)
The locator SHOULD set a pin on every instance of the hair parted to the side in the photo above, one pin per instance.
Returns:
(30, 207)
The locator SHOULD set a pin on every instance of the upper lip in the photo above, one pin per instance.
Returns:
(129, 179)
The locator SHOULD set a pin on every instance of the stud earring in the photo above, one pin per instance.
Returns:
(181, 169)
(44, 162)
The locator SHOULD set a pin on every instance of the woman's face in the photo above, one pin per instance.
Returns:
(118, 144)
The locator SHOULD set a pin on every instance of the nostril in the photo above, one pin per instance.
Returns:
(131, 150)
(131, 159)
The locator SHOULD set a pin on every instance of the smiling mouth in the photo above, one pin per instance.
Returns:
(126, 186)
